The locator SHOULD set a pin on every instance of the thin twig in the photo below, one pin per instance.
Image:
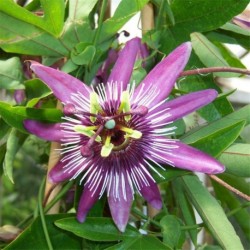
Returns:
(214, 69)
(229, 187)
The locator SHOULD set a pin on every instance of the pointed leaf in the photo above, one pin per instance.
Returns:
(96, 229)
(229, 120)
(209, 54)
(11, 75)
(14, 142)
(237, 159)
(215, 143)
(33, 236)
(51, 22)
(211, 213)
(15, 116)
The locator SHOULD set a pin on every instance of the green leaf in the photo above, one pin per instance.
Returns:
(186, 208)
(20, 37)
(209, 54)
(52, 21)
(80, 10)
(96, 229)
(141, 242)
(242, 216)
(35, 89)
(231, 59)
(126, 10)
(11, 74)
(33, 238)
(15, 116)
(197, 16)
(83, 54)
(211, 213)
(14, 142)
(171, 230)
(236, 29)
(4, 128)
(215, 143)
(2, 155)
(237, 159)
(233, 118)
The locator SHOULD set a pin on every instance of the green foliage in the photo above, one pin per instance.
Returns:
(66, 35)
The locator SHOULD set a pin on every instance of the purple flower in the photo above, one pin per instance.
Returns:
(114, 136)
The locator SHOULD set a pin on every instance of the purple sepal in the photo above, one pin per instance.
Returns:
(186, 157)
(62, 84)
(87, 200)
(123, 67)
(183, 105)
(46, 131)
(120, 206)
(152, 194)
(59, 174)
(163, 76)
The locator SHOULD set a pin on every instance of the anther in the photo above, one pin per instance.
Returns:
(86, 150)
(69, 109)
(140, 110)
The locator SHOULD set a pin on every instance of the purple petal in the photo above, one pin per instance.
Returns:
(62, 84)
(122, 70)
(87, 200)
(163, 76)
(186, 157)
(46, 131)
(152, 194)
(120, 207)
(59, 174)
(183, 105)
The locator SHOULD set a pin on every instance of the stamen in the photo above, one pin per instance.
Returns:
(125, 105)
(95, 107)
(69, 109)
(86, 150)
(131, 133)
(107, 147)
(88, 131)
(140, 110)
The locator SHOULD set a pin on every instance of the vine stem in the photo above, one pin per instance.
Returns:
(214, 69)
(229, 187)
(41, 211)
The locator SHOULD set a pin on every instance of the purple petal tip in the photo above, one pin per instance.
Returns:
(81, 217)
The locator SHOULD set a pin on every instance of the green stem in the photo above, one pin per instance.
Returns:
(143, 216)
(63, 191)
(236, 210)
(192, 227)
(40, 202)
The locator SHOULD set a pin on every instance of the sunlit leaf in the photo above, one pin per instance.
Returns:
(11, 75)
(237, 159)
(211, 213)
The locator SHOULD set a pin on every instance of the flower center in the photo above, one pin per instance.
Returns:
(112, 132)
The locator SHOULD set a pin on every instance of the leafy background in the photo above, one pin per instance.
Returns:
(54, 33)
